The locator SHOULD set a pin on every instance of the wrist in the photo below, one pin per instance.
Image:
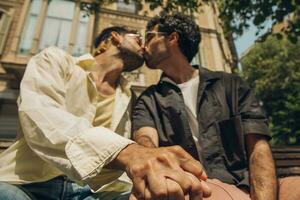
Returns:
(124, 157)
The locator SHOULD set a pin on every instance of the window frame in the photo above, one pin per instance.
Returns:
(4, 28)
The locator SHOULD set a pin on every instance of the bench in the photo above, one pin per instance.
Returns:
(287, 161)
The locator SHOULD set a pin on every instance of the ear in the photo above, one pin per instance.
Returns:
(173, 38)
(103, 46)
(116, 38)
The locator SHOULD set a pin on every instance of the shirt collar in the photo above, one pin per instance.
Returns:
(125, 85)
(88, 63)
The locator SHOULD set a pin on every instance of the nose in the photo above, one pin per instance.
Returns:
(144, 44)
(138, 40)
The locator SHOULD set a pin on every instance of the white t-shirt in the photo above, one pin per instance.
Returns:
(189, 91)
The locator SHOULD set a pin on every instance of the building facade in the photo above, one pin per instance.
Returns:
(28, 26)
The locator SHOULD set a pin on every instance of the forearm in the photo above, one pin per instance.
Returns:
(263, 181)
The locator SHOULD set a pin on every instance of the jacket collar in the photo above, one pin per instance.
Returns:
(205, 75)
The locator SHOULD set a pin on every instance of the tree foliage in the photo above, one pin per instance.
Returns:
(169, 5)
(236, 14)
(273, 69)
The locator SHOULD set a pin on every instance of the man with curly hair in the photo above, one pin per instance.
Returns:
(212, 115)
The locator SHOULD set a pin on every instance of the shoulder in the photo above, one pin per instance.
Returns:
(148, 94)
(52, 59)
(227, 77)
(53, 51)
(55, 54)
(230, 81)
(224, 75)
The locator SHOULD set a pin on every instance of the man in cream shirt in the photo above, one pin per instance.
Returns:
(71, 112)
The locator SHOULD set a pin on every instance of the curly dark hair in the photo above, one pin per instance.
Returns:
(185, 26)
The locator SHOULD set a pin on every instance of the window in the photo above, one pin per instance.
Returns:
(57, 25)
(62, 24)
(30, 24)
(5, 21)
(81, 40)
(129, 7)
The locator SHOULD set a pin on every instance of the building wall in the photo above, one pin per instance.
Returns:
(214, 52)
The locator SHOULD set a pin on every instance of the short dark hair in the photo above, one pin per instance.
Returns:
(105, 34)
(185, 26)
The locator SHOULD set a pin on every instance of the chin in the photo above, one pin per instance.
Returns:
(150, 65)
(129, 67)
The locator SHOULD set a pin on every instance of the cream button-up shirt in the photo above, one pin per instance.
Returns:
(57, 105)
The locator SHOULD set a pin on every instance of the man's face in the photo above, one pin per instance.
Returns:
(131, 52)
(156, 48)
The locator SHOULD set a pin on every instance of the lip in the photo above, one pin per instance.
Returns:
(141, 51)
(145, 55)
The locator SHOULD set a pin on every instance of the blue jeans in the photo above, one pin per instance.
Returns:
(60, 188)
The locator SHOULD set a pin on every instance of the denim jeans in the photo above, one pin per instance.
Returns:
(60, 188)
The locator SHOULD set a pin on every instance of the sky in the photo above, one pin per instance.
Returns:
(243, 42)
(248, 38)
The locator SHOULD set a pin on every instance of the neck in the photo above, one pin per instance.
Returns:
(179, 69)
(109, 69)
